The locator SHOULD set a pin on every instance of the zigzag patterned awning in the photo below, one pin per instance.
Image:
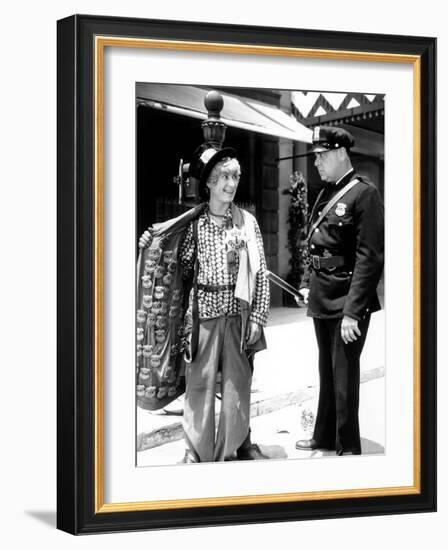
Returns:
(312, 108)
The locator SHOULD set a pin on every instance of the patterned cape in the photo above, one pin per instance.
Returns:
(162, 302)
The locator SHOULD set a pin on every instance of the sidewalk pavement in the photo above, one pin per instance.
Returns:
(285, 384)
(277, 432)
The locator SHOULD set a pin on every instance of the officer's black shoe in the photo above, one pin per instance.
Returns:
(251, 452)
(307, 445)
(347, 453)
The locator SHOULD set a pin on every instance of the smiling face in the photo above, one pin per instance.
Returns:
(223, 181)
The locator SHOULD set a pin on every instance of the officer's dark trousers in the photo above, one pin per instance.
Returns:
(337, 423)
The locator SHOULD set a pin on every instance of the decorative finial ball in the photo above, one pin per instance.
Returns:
(214, 102)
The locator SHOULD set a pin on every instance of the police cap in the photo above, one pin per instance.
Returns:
(327, 138)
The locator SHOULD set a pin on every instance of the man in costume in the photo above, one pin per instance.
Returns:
(346, 254)
(232, 305)
(217, 250)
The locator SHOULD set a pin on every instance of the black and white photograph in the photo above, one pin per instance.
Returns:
(260, 320)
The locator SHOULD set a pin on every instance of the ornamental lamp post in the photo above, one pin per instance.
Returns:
(214, 132)
(213, 128)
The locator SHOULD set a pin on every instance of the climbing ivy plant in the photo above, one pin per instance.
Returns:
(297, 226)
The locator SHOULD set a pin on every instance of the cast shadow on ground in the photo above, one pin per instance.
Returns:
(273, 451)
(270, 451)
(48, 517)
(368, 447)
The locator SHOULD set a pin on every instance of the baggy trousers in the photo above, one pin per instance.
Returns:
(337, 422)
(218, 349)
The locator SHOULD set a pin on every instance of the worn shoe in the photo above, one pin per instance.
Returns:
(251, 452)
(189, 458)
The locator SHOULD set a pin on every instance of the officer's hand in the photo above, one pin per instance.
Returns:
(145, 239)
(304, 293)
(253, 333)
(349, 330)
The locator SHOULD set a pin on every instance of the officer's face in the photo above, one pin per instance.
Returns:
(328, 165)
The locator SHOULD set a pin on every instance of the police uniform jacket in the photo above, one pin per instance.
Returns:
(354, 229)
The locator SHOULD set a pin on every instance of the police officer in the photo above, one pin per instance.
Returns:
(345, 245)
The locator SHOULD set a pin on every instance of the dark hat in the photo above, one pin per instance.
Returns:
(327, 138)
(205, 158)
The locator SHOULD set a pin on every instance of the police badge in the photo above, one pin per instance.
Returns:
(340, 209)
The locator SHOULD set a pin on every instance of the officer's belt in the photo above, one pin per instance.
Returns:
(215, 288)
(326, 262)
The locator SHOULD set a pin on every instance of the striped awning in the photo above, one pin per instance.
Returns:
(238, 112)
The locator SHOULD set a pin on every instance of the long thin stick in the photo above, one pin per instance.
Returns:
(282, 284)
